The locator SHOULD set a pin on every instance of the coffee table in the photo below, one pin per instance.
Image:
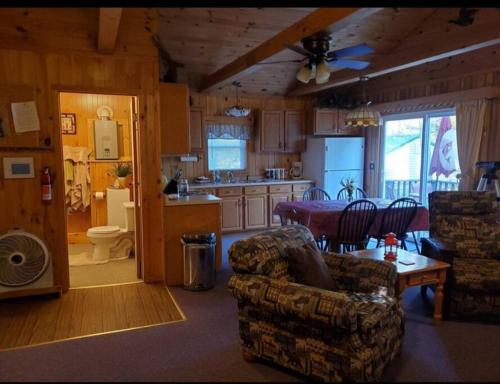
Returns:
(423, 271)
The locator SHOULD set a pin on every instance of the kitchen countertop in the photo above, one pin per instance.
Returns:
(192, 200)
(250, 184)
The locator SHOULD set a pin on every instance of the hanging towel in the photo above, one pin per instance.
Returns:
(77, 177)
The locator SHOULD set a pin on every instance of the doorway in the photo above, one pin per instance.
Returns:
(101, 169)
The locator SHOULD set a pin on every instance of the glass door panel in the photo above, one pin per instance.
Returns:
(402, 158)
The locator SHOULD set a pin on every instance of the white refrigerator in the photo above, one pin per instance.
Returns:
(329, 160)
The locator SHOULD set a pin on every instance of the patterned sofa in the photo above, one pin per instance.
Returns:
(465, 233)
(350, 334)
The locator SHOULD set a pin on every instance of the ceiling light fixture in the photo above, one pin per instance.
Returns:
(322, 73)
(363, 116)
(237, 110)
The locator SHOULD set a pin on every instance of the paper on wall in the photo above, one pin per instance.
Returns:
(25, 117)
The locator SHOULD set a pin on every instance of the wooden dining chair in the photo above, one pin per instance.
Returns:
(358, 194)
(316, 193)
(354, 223)
(397, 218)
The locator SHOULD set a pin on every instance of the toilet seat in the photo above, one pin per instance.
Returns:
(104, 230)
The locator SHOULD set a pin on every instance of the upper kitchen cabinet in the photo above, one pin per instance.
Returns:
(271, 131)
(294, 131)
(281, 131)
(174, 119)
(196, 129)
(329, 121)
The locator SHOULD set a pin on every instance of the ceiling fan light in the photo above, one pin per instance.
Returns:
(304, 74)
(322, 73)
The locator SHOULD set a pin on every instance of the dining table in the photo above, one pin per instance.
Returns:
(322, 216)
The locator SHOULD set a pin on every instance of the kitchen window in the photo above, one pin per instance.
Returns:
(227, 154)
(419, 155)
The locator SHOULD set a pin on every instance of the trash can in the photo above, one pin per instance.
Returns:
(199, 260)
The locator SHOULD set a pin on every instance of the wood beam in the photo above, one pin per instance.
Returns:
(109, 22)
(435, 46)
(328, 19)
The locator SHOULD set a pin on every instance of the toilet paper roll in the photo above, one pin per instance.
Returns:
(99, 195)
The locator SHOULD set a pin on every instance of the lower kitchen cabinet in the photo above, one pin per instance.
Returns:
(251, 207)
(232, 213)
(255, 211)
(274, 199)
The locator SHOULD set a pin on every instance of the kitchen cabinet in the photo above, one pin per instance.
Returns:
(255, 211)
(274, 199)
(174, 119)
(277, 194)
(232, 213)
(281, 131)
(271, 130)
(295, 140)
(330, 121)
(196, 130)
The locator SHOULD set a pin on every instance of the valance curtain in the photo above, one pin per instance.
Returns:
(229, 128)
(471, 117)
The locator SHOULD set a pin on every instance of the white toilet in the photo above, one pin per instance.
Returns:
(115, 241)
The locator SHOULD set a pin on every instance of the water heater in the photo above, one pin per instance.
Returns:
(106, 139)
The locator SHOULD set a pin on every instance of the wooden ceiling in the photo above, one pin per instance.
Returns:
(207, 39)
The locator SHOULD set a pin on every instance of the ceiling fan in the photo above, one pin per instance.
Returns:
(316, 48)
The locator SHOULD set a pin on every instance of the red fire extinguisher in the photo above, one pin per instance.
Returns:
(46, 186)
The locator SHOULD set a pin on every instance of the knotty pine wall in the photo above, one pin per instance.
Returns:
(85, 107)
(464, 72)
(43, 50)
(214, 105)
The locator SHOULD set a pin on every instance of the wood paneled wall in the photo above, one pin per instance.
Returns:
(54, 49)
(475, 70)
(214, 105)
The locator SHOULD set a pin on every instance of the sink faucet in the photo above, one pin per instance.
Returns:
(229, 176)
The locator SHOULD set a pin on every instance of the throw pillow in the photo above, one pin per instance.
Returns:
(307, 266)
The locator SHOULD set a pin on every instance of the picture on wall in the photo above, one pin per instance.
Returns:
(68, 123)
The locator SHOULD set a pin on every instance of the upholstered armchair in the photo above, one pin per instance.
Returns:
(348, 334)
(465, 233)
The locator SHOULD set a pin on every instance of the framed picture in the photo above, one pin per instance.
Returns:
(68, 123)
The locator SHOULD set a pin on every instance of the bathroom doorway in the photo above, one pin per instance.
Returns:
(100, 162)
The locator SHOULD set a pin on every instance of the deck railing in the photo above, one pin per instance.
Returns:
(394, 189)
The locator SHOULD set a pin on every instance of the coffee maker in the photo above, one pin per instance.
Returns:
(296, 170)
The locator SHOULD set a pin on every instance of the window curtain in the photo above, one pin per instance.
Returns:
(471, 118)
(228, 131)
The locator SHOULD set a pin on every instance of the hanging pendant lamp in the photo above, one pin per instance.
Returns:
(363, 116)
(237, 110)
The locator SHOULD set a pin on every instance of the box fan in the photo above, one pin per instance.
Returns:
(24, 262)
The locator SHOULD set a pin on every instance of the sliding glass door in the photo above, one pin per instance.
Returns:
(419, 155)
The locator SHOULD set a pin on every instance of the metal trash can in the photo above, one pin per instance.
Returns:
(199, 260)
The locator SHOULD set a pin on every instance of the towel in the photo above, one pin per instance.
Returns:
(77, 177)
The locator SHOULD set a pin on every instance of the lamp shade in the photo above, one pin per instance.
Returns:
(322, 73)
(304, 74)
(363, 117)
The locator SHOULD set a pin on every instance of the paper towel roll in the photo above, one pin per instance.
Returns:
(99, 195)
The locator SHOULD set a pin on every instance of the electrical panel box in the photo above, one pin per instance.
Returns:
(106, 139)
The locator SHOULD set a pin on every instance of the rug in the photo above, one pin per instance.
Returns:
(85, 312)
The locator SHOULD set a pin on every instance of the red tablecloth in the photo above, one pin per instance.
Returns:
(322, 216)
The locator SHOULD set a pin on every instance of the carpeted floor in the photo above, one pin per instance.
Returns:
(206, 348)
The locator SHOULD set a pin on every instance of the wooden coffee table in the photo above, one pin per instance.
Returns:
(424, 271)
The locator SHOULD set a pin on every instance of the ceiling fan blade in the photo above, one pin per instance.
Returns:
(355, 50)
(300, 50)
(345, 63)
